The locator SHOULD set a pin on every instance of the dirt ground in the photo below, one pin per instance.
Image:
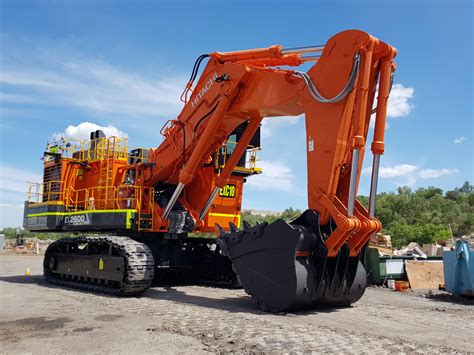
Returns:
(36, 317)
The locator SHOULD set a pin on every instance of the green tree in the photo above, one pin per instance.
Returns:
(423, 216)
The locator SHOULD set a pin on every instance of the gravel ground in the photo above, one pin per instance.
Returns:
(36, 317)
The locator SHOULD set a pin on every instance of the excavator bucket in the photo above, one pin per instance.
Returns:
(284, 266)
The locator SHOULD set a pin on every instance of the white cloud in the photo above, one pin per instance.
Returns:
(398, 101)
(95, 87)
(399, 104)
(47, 74)
(397, 170)
(460, 140)
(271, 124)
(407, 174)
(13, 193)
(16, 180)
(436, 173)
(276, 176)
(17, 99)
(393, 171)
(82, 131)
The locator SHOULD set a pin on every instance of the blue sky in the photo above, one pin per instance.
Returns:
(66, 65)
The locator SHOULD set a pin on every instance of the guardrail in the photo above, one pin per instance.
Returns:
(96, 149)
(119, 197)
(250, 157)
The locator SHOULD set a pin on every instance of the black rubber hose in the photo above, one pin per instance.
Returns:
(204, 117)
(184, 140)
(197, 64)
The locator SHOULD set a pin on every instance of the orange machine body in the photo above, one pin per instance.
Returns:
(92, 178)
(239, 89)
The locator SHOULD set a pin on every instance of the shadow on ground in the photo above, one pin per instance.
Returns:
(236, 304)
(449, 298)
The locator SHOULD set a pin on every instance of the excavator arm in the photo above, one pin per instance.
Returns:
(315, 258)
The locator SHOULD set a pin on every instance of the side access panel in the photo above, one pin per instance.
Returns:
(100, 220)
(43, 216)
(53, 217)
(226, 207)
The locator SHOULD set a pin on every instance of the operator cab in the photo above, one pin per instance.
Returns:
(247, 163)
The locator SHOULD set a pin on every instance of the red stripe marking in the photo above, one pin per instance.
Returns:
(302, 253)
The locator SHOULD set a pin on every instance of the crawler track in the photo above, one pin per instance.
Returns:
(133, 278)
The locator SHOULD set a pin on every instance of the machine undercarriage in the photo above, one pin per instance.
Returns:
(123, 266)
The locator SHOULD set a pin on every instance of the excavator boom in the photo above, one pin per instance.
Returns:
(315, 258)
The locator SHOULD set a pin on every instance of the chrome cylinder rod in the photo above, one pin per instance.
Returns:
(208, 203)
(173, 200)
(307, 49)
(352, 183)
(309, 58)
(373, 185)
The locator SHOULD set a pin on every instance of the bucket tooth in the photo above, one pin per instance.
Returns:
(257, 231)
(246, 224)
(220, 230)
(233, 227)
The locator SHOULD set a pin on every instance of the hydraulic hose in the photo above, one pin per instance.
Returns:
(347, 88)
(184, 95)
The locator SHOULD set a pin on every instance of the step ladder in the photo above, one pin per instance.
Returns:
(145, 213)
(145, 221)
(106, 192)
(51, 182)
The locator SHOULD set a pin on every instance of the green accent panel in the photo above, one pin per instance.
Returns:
(78, 212)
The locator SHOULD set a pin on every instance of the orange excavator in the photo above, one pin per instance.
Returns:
(147, 213)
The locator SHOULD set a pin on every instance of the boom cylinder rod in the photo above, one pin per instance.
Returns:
(373, 185)
(208, 202)
(173, 200)
(309, 58)
(299, 50)
(352, 183)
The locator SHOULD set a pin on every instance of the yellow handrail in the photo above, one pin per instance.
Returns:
(250, 157)
(45, 192)
(95, 149)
